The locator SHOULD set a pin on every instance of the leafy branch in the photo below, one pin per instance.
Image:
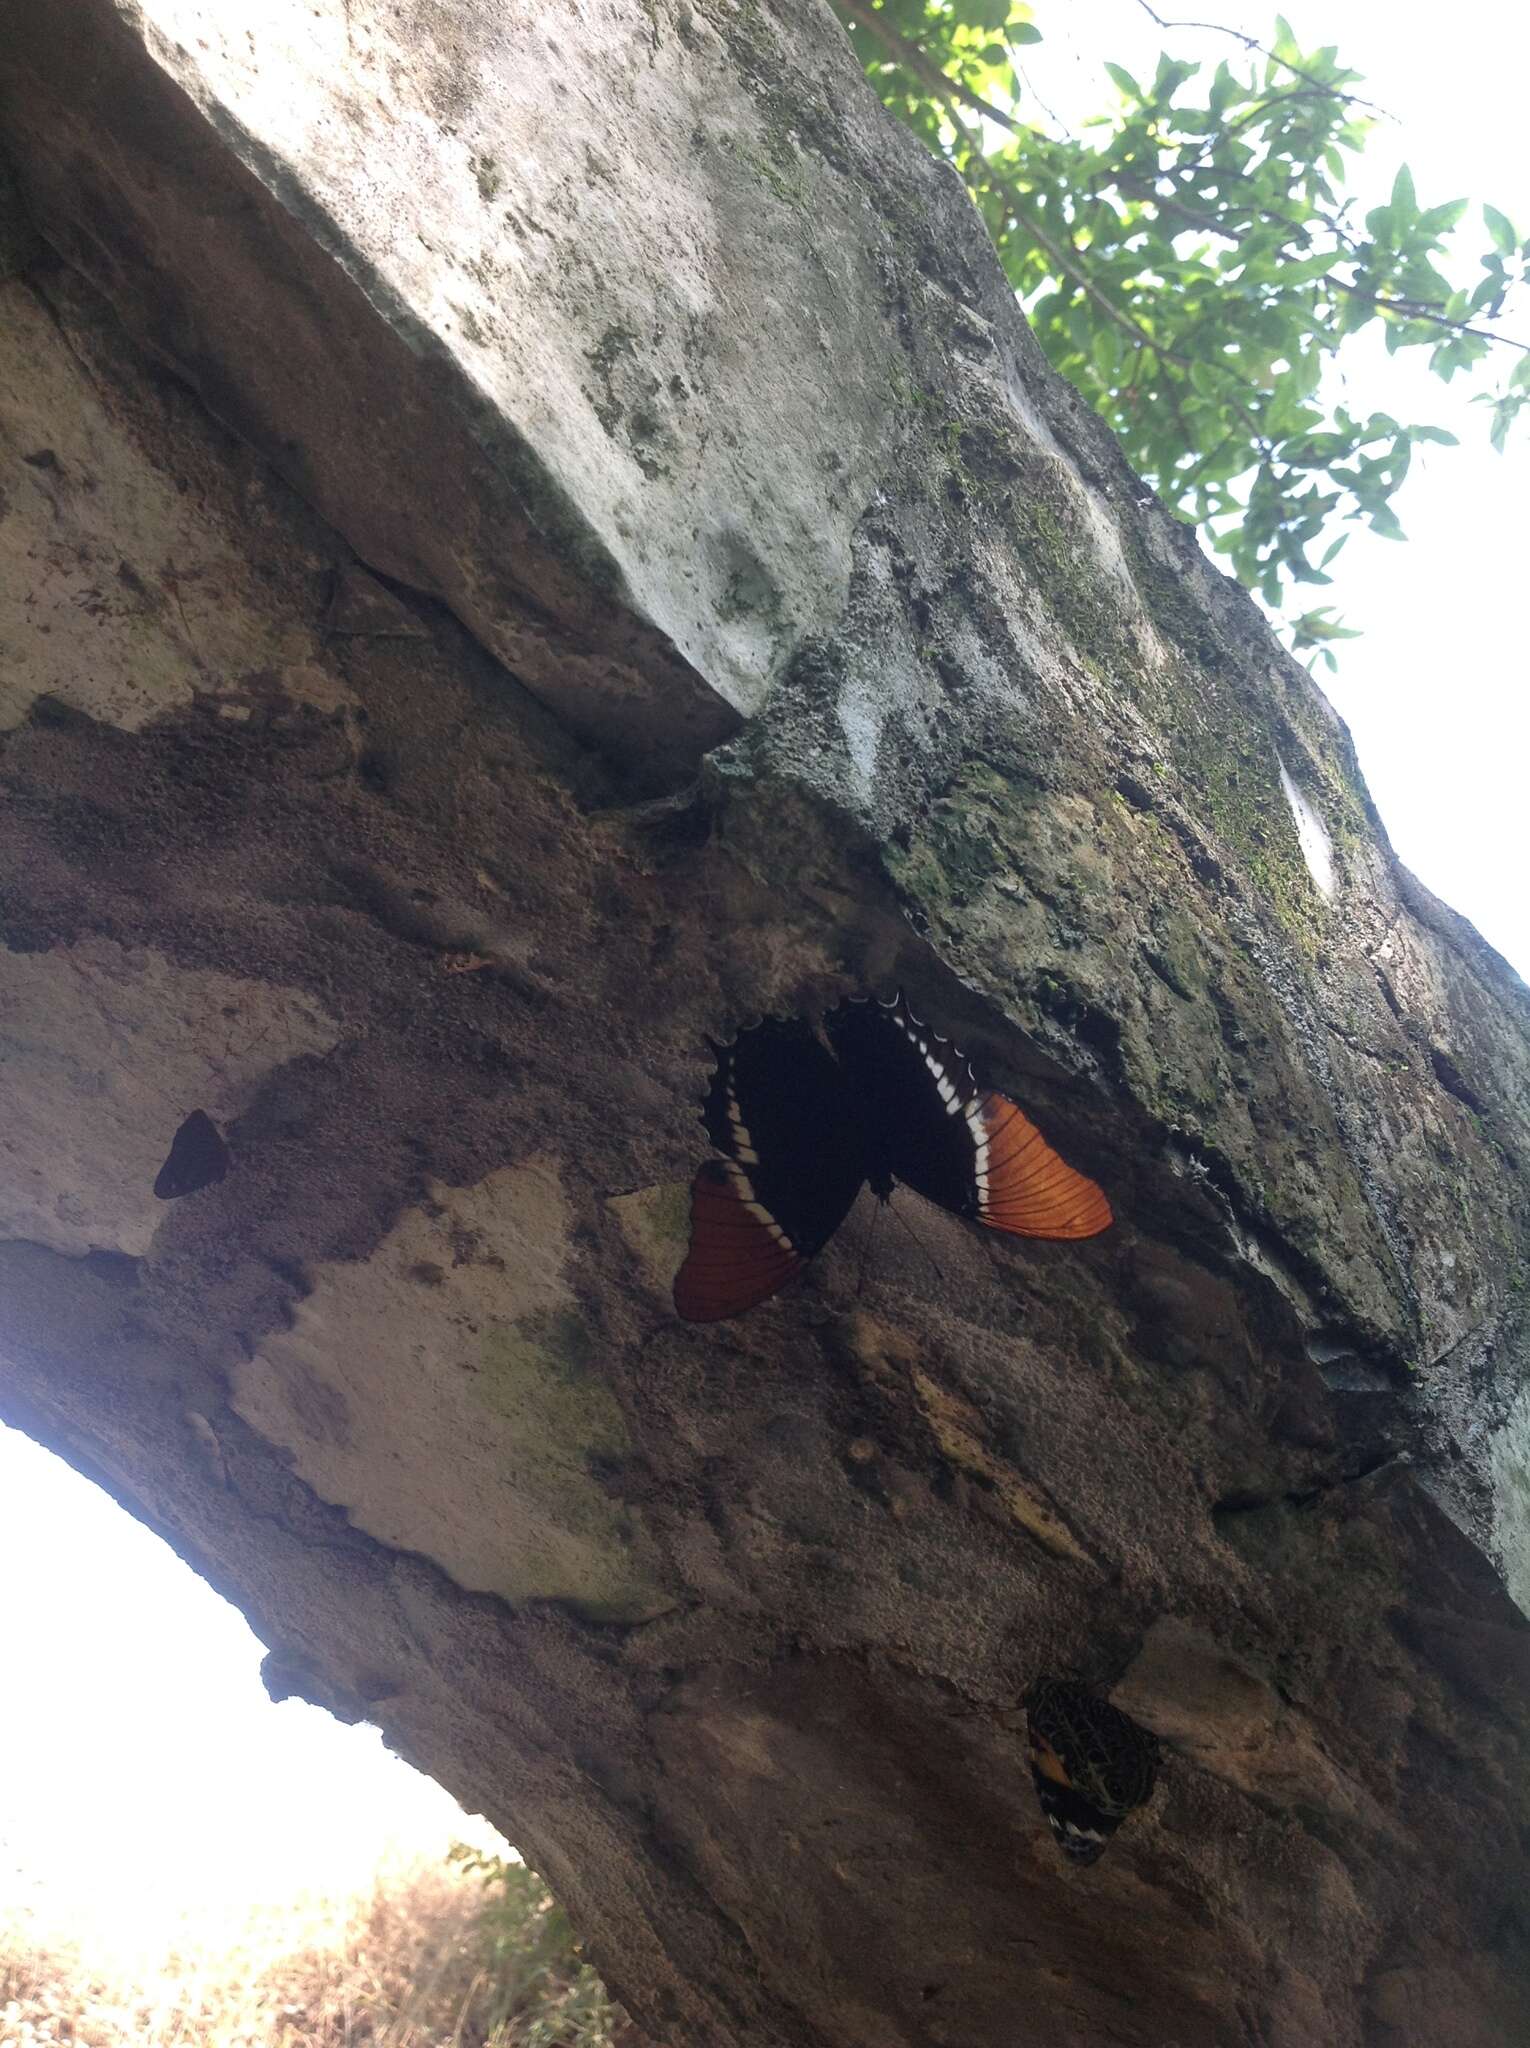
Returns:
(1255, 48)
(1194, 266)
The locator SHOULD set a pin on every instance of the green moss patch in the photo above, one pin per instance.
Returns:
(541, 1376)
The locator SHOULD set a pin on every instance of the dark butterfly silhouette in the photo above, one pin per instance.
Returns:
(1090, 1765)
(198, 1157)
(802, 1128)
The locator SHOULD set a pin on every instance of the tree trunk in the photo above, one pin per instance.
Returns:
(532, 535)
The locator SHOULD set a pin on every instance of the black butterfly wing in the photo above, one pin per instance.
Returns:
(1090, 1764)
(198, 1157)
(779, 1110)
(970, 1149)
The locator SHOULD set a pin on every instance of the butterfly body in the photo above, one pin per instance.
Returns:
(804, 1122)
(1090, 1764)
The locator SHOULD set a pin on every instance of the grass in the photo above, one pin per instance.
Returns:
(470, 1955)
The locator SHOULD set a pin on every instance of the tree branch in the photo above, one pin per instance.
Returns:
(952, 90)
(924, 66)
(1216, 28)
(1279, 99)
(1064, 255)
(1415, 309)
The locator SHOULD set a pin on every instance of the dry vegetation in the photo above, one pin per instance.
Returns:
(416, 1961)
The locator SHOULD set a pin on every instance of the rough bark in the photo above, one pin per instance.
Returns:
(528, 536)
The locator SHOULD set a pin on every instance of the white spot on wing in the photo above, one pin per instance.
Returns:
(756, 1208)
(979, 1130)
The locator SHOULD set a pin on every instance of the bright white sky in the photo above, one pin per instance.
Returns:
(144, 1768)
(153, 1758)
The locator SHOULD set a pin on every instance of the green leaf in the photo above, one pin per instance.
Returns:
(1320, 625)
(1216, 213)
(1439, 220)
(1105, 352)
(1170, 76)
(1501, 228)
(1308, 267)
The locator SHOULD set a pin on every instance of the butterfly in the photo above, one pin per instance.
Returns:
(1090, 1765)
(198, 1157)
(802, 1127)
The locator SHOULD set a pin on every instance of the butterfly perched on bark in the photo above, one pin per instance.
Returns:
(198, 1157)
(1090, 1765)
(803, 1127)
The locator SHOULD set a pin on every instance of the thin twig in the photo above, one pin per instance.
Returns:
(1260, 108)
(1143, 190)
(1216, 28)
(1192, 476)
(1415, 309)
(1051, 113)
(1071, 265)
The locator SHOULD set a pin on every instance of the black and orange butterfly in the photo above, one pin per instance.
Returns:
(1090, 1765)
(803, 1127)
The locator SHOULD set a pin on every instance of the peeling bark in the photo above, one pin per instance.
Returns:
(526, 541)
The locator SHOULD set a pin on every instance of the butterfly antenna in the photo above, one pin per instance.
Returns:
(860, 1285)
(913, 1233)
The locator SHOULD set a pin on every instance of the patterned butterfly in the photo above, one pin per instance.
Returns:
(802, 1128)
(1089, 1763)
